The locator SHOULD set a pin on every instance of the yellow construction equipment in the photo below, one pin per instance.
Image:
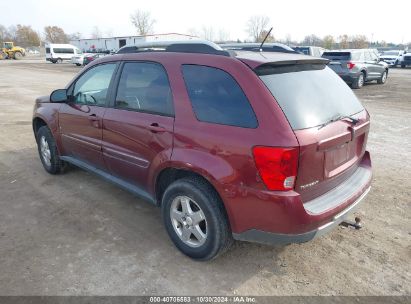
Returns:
(9, 51)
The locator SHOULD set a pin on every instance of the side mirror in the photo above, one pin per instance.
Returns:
(59, 96)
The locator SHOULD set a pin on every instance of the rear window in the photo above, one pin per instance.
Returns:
(309, 95)
(337, 55)
(217, 98)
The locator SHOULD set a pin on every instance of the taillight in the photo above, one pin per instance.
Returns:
(277, 166)
(350, 65)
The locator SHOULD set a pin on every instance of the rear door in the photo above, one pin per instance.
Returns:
(312, 97)
(377, 66)
(138, 128)
(80, 119)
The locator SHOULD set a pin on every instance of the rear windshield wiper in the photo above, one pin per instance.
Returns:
(339, 117)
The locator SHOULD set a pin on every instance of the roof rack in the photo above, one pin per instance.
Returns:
(183, 46)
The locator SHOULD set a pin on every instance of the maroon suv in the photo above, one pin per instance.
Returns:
(261, 147)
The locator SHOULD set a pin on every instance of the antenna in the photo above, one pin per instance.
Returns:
(265, 38)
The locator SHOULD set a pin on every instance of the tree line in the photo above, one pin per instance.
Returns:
(256, 27)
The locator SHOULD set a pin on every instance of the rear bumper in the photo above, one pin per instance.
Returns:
(270, 238)
(283, 218)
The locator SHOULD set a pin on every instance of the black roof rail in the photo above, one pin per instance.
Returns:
(184, 46)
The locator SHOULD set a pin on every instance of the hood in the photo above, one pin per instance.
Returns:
(43, 99)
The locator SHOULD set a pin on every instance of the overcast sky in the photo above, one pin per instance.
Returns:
(294, 17)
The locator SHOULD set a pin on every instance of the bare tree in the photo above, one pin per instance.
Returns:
(96, 33)
(75, 36)
(344, 41)
(207, 32)
(55, 34)
(328, 42)
(223, 35)
(26, 36)
(256, 25)
(312, 40)
(270, 38)
(143, 22)
(359, 42)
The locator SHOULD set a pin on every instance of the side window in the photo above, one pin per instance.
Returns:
(144, 87)
(92, 87)
(217, 98)
(367, 56)
(373, 56)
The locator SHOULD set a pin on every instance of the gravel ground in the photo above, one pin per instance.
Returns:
(75, 234)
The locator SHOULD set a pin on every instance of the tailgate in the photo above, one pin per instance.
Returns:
(329, 155)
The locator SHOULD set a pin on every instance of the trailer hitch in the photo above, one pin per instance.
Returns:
(355, 224)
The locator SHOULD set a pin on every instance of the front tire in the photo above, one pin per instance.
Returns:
(195, 219)
(18, 55)
(78, 64)
(383, 78)
(48, 151)
(59, 60)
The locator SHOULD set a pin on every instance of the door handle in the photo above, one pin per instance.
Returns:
(93, 117)
(95, 120)
(155, 128)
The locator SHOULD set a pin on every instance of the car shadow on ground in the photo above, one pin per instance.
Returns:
(94, 232)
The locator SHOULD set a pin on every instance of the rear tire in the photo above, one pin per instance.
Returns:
(78, 64)
(48, 151)
(195, 219)
(383, 78)
(359, 83)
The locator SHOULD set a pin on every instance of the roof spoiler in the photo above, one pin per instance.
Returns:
(288, 66)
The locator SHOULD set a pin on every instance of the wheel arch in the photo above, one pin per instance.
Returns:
(37, 123)
(170, 174)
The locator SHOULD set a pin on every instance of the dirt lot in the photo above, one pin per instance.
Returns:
(77, 234)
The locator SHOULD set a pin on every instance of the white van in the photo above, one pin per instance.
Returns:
(56, 53)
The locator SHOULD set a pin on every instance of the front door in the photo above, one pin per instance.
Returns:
(80, 119)
(138, 130)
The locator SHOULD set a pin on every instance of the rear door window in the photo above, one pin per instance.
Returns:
(309, 95)
(217, 98)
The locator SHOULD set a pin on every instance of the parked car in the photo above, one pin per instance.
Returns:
(357, 66)
(79, 59)
(57, 53)
(392, 57)
(315, 51)
(223, 143)
(89, 58)
(405, 59)
(267, 47)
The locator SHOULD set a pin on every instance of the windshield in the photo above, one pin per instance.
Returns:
(392, 53)
(302, 50)
(309, 95)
